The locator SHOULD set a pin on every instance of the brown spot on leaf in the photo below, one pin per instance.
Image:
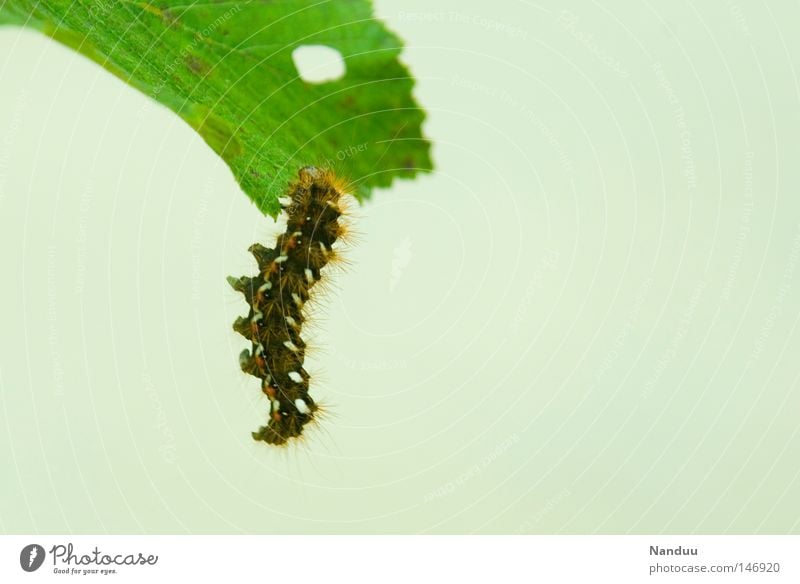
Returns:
(196, 65)
(168, 17)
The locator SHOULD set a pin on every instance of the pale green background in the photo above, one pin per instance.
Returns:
(584, 321)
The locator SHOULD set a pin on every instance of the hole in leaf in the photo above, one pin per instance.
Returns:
(318, 63)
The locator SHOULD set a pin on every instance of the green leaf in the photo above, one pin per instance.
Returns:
(227, 69)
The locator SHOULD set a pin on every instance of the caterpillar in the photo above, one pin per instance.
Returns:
(277, 295)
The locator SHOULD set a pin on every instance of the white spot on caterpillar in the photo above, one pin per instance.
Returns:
(276, 405)
(285, 201)
(291, 321)
(309, 276)
(259, 349)
(281, 259)
(333, 205)
(297, 300)
(295, 376)
(257, 316)
(298, 234)
(291, 346)
(323, 248)
(302, 406)
(265, 286)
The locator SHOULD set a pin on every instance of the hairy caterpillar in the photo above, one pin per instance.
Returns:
(276, 297)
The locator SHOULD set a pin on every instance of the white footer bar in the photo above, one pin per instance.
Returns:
(402, 559)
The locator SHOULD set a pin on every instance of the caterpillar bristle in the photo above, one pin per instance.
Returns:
(348, 235)
(291, 275)
(324, 411)
(337, 262)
